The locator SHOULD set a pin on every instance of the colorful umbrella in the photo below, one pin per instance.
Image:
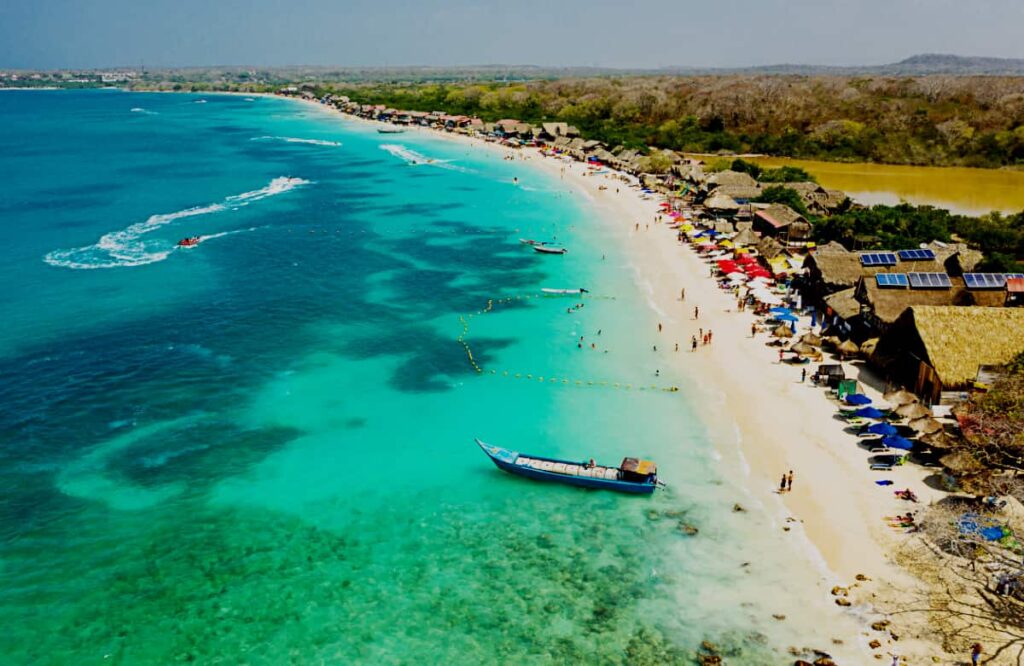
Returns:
(869, 413)
(857, 399)
(884, 429)
(897, 442)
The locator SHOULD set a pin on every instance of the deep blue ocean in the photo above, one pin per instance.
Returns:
(260, 449)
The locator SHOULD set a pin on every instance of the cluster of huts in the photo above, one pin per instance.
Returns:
(923, 314)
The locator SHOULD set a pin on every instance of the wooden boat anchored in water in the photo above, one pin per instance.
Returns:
(530, 241)
(390, 130)
(632, 476)
(548, 290)
(544, 249)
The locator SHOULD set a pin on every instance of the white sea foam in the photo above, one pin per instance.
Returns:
(414, 158)
(292, 139)
(139, 109)
(129, 247)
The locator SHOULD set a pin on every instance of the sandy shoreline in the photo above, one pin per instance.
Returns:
(781, 423)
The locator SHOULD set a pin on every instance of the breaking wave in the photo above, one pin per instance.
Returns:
(129, 247)
(291, 139)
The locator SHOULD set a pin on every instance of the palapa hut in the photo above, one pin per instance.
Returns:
(782, 222)
(817, 199)
(842, 312)
(882, 306)
(746, 237)
(936, 348)
(721, 204)
(769, 248)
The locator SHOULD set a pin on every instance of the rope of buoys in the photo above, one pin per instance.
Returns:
(461, 339)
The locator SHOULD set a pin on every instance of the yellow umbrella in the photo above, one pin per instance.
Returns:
(742, 250)
(687, 227)
(726, 243)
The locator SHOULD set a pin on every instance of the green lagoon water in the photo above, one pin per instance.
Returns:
(260, 450)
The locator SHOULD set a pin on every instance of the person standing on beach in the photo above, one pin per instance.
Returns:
(782, 484)
(976, 650)
(709, 336)
(682, 294)
(696, 312)
(753, 330)
(803, 375)
(789, 482)
(693, 343)
(659, 327)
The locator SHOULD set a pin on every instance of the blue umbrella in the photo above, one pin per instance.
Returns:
(897, 442)
(884, 429)
(869, 413)
(857, 399)
(787, 317)
(781, 311)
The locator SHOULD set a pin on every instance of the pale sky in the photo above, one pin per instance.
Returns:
(626, 33)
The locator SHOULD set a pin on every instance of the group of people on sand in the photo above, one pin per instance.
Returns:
(786, 485)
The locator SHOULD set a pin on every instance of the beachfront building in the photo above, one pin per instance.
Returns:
(939, 350)
(781, 222)
(740, 187)
(817, 199)
(884, 297)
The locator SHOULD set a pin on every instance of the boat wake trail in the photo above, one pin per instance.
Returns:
(139, 109)
(412, 158)
(292, 139)
(129, 247)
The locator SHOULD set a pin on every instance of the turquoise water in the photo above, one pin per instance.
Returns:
(261, 449)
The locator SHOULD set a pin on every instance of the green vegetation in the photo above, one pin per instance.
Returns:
(783, 195)
(785, 174)
(999, 237)
(971, 121)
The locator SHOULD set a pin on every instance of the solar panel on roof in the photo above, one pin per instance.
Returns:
(984, 280)
(1011, 276)
(878, 259)
(929, 281)
(916, 255)
(891, 279)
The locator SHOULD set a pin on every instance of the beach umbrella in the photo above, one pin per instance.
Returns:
(781, 311)
(811, 339)
(868, 348)
(897, 442)
(900, 397)
(869, 413)
(926, 425)
(914, 410)
(882, 428)
(787, 317)
(767, 298)
(802, 348)
(857, 399)
(939, 440)
(782, 332)
(848, 347)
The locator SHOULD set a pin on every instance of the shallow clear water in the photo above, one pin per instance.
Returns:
(261, 449)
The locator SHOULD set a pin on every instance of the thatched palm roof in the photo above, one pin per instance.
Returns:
(738, 191)
(961, 462)
(721, 202)
(746, 237)
(837, 269)
(926, 425)
(778, 215)
(887, 304)
(811, 339)
(782, 331)
(731, 178)
(769, 248)
(848, 347)
(900, 397)
(957, 340)
(844, 304)
(913, 410)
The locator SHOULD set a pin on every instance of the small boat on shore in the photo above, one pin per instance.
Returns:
(632, 476)
(390, 130)
(191, 241)
(581, 290)
(544, 249)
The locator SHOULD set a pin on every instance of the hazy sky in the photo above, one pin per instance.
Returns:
(637, 33)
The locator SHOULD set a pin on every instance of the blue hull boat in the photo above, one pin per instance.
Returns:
(633, 476)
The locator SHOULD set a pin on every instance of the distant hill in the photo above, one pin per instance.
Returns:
(917, 65)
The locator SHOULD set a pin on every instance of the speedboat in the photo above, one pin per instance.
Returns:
(389, 130)
(549, 250)
(529, 241)
(191, 241)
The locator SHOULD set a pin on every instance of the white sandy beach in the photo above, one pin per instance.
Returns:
(782, 424)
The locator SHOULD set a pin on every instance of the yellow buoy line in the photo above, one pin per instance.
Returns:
(556, 381)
